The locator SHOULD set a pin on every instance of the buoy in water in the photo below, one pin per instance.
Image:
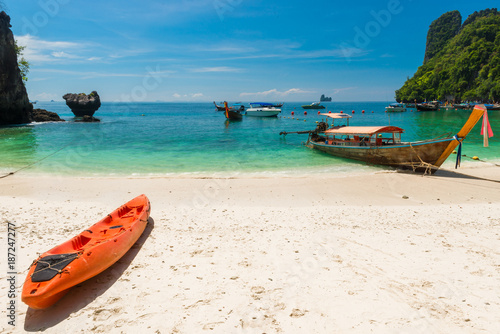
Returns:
(329, 111)
(353, 111)
(293, 112)
(475, 158)
(363, 112)
(454, 152)
(341, 112)
(319, 112)
(305, 112)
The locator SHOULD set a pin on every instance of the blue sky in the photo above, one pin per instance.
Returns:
(214, 50)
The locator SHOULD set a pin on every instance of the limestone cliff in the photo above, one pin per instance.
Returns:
(15, 107)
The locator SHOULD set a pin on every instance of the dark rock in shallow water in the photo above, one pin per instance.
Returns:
(87, 119)
(82, 104)
(42, 115)
(15, 107)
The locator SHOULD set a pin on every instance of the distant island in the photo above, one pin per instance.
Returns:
(462, 61)
(323, 98)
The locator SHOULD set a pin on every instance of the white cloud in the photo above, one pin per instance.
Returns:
(339, 90)
(276, 93)
(46, 97)
(187, 96)
(88, 75)
(215, 69)
(38, 50)
(63, 54)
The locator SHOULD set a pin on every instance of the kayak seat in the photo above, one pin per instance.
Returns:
(79, 242)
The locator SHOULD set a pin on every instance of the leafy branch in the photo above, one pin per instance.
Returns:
(24, 65)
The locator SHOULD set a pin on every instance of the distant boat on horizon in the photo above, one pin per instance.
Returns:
(314, 105)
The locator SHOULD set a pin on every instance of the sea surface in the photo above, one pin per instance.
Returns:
(160, 139)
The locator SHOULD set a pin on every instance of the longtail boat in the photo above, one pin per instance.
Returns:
(382, 145)
(431, 106)
(232, 114)
(235, 107)
(54, 272)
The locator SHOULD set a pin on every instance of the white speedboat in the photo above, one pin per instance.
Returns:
(262, 109)
(395, 107)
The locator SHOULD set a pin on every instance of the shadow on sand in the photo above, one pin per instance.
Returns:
(84, 293)
(453, 174)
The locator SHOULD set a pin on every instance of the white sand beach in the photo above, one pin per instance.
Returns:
(382, 252)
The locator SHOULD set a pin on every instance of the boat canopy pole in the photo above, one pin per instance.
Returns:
(474, 117)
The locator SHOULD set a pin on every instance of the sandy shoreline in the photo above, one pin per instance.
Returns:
(383, 252)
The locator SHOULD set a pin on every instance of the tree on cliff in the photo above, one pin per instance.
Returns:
(24, 65)
(466, 68)
(441, 32)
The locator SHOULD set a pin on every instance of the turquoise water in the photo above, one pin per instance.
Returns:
(171, 138)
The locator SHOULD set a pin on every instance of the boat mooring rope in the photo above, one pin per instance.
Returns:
(34, 163)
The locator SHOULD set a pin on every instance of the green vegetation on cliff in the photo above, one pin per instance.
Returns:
(24, 65)
(467, 67)
(441, 32)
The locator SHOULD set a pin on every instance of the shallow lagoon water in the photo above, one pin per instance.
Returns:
(158, 139)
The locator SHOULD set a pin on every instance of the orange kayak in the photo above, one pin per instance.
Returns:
(86, 255)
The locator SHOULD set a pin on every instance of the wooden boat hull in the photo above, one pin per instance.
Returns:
(426, 108)
(54, 272)
(404, 155)
(313, 107)
(233, 115)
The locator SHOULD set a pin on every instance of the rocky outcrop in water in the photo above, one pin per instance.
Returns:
(88, 119)
(15, 107)
(42, 115)
(83, 104)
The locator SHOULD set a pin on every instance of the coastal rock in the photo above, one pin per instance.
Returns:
(83, 104)
(42, 115)
(324, 98)
(15, 107)
(88, 119)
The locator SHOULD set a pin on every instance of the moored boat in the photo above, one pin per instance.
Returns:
(262, 109)
(54, 272)
(493, 106)
(382, 145)
(232, 114)
(463, 106)
(395, 107)
(235, 107)
(430, 106)
(314, 105)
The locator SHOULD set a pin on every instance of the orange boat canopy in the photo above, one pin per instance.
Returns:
(362, 130)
